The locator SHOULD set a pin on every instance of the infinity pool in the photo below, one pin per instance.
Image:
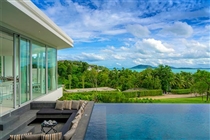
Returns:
(149, 121)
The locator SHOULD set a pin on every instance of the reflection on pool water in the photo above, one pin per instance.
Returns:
(149, 121)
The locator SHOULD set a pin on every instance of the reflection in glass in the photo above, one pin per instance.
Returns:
(52, 64)
(24, 69)
(6, 72)
(38, 69)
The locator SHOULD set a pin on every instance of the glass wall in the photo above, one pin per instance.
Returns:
(24, 70)
(52, 66)
(6, 71)
(38, 69)
(28, 70)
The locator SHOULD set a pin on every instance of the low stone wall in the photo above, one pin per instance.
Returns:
(83, 123)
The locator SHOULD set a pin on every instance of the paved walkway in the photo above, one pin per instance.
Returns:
(90, 89)
(164, 96)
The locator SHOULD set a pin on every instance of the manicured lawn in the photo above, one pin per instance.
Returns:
(182, 100)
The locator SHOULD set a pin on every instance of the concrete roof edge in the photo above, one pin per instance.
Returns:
(36, 14)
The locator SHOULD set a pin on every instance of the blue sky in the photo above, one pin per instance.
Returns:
(125, 33)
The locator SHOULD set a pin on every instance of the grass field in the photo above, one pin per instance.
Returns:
(182, 100)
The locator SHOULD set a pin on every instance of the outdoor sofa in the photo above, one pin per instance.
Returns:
(60, 109)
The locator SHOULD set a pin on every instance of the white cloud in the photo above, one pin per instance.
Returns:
(119, 57)
(124, 48)
(118, 64)
(180, 29)
(207, 27)
(138, 30)
(156, 45)
(130, 23)
(114, 32)
(90, 57)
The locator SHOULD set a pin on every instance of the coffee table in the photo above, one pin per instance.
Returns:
(48, 124)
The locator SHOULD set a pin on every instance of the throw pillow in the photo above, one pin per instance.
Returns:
(59, 105)
(69, 134)
(53, 136)
(18, 136)
(75, 104)
(32, 137)
(67, 104)
(76, 120)
(81, 102)
(74, 126)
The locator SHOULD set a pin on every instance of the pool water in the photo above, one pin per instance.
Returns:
(149, 121)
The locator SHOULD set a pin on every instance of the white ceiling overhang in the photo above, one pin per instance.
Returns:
(24, 17)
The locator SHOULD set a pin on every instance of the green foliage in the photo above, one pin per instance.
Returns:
(181, 100)
(164, 73)
(77, 74)
(112, 96)
(180, 91)
(201, 83)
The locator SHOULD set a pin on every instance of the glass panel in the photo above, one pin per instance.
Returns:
(24, 69)
(38, 69)
(6, 72)
(52, 64)
(17, 70)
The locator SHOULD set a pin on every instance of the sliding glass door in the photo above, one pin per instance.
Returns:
(52, 72)
(38, 69)
(24, 70)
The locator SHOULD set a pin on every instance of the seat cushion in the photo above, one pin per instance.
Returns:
(66, 112)
(49, 111)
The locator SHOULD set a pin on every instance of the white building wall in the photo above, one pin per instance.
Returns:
(52, 96)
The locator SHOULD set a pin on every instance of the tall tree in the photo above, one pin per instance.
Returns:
(202, 82)
(165, 75)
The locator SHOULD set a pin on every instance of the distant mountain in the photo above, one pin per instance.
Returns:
(142, 67)
(148, 66)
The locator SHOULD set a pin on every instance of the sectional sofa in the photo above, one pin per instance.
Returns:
(71, 110)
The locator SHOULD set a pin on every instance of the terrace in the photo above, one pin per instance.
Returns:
(26, 119)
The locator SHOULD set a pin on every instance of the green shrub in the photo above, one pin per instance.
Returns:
(180, 91)
(111, 96)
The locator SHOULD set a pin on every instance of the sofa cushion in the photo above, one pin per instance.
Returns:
(59, 105)
(49, 111)
(67, 104)
(75, 104)
(68, 112)
(32, 137)
(69, 134)
(53, 136)
(19, 136)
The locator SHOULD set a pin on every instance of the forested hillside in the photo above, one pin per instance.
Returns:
(77, 74)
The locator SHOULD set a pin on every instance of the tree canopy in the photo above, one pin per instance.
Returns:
(77, 74)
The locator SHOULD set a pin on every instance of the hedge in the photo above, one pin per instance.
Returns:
(141, 93)
(113, 96)
(180, 91)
